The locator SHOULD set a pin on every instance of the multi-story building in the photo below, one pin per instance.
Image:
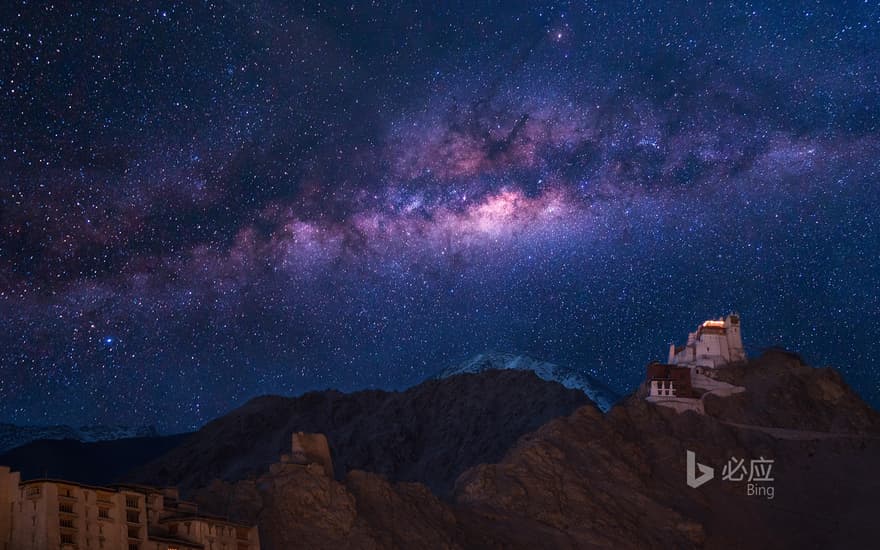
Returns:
(44, 514)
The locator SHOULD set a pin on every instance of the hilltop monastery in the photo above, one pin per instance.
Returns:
(689, 372)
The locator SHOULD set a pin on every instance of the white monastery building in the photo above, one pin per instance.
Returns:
(715, 343)
(689, 374)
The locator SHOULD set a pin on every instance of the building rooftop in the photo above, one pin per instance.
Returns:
(200, 516)
(663, 371)
(175, 540)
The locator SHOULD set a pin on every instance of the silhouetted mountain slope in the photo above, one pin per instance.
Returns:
(598, 392)
(12, 435)
(97, 463)
(429, 433)
(785, 393)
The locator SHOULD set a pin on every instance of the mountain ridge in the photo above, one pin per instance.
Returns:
(427, 433)
(598, 392)
(590, 479)
(491, 460)
(15, 435)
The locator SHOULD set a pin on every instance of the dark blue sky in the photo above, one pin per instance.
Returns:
(201, 202)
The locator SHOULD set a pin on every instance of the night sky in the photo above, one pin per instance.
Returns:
(201, 202)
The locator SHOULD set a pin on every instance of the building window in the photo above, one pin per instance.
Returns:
(132, 517)
(66, 538)
(134, 533)
(66, 508)
(33, 491)
(133, 546)
(131, 502)
(104, 513)
(66, 522)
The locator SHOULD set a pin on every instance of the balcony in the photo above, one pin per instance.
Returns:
(132, 517)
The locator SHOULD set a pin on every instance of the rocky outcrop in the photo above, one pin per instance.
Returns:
(298, 506)
(784, 392)
(580, 480)
(310, 449)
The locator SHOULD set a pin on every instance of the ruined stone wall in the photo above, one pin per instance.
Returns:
(311, 449)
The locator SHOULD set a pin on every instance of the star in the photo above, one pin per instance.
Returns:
(274, 201)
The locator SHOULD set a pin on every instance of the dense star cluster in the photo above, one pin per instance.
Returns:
(201, 202)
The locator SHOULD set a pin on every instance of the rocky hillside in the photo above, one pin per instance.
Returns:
(786, 393)
(429, 433)
(590, 480)
(569, 377)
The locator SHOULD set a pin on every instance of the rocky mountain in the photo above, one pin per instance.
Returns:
(12, 435)
(429, 433)
(616, 480)
(504, 459)
(598, 392)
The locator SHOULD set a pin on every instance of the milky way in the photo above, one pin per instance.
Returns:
(202, 203)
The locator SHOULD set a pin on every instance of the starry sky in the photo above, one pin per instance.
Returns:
(201, 202)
